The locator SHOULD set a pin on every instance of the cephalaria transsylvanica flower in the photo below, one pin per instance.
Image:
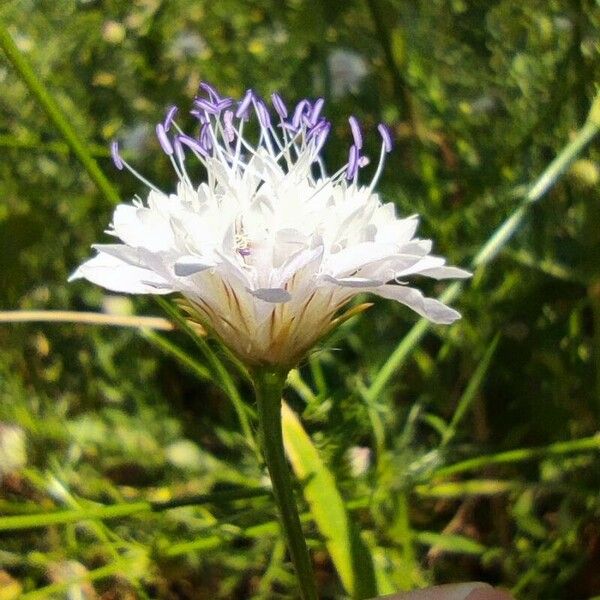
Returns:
(270, 247)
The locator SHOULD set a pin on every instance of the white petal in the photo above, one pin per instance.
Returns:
(291, 236)
(294, 263)
(417, 247)
(356, 282)
(356, 256)
(189, 265)
(389, 267)
(446, 273)
(229, 268)
(429, 308)
(115, 275)
(275, 295)
(426, 263)
(120, 251)
(142, 228)
(396, 231)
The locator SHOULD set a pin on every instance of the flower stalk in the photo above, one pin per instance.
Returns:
(268, 385)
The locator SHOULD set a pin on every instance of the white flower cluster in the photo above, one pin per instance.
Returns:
(270, 247)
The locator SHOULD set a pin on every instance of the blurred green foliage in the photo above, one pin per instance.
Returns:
(481, 96)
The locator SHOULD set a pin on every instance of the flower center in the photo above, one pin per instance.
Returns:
(242, 244)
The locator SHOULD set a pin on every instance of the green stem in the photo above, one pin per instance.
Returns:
(268, 384)
(34, 143)
(594, 296)
(222, 375)
(521, 454)
(56, 114)
(380, 18)
(36, 520)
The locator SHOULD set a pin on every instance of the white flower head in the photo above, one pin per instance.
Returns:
(269, 248)
(347, 70)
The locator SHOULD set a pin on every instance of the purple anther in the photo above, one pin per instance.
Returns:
(242, 110)
(165, 143)
(321, 136)
(212, 92)
(116, 157)
(228, 125)
(288, 127)
(316, 128)
(279, 105)
(263, 114)
(356, 133)
(169, 117)
(316, 111)
(352, 168)
(178, 150)
(207, 106)
(199, 115)
(205, 137)
(299, 112)
(386, 136)
(245, 251)
(193, 144)
(223, 103)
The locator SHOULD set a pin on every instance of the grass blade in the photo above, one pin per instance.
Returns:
(349, 553)
(469, 394)
(56, 115)
(495, 243)
(458, 544)
(587, 444)
(472, 487)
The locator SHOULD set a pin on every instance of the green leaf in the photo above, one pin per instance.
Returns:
(450, 543)
(473, 487)
(471, 392)
(350, 555)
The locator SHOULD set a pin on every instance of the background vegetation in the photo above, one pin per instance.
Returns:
(468, 452)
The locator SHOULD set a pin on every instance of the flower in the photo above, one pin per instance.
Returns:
(347, 70)
(269, 248)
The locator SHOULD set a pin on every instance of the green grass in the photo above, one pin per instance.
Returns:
(128, 458)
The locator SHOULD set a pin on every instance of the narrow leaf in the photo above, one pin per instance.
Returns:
(450, 543)
(350, 555)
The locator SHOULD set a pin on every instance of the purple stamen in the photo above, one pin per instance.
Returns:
(386, 136)
(279, 105)
(163, 139)
(263, 114)
(179, 150)
(299, 112)
(169, 117)
(316, 111)
(352, 168)
(315, 130)
(199, 115)
(193, 144)
(242, 110)
(223, 103)
(116, 157)
(212, 92)
(288, 127)
(321, 136)
(307, 122)
(205, 137)
(207, 106)
(356, 133)
(245, 251)
(363, 161)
